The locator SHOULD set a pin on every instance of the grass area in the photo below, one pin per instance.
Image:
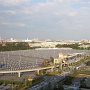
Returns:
(84, 72)
(16, 85)
(53, 72)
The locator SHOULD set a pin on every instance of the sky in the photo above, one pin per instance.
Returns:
(45, 19)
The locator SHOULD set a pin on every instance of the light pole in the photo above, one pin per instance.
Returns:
(4, 62)
(8, 56)
(20, 61)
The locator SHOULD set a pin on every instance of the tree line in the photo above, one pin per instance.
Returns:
(73, 46)
(14, 46)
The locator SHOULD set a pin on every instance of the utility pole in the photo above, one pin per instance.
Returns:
(20, 61)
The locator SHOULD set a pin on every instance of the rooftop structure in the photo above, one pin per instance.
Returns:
(70, 58)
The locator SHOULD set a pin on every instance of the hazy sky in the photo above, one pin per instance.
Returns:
(44, 19)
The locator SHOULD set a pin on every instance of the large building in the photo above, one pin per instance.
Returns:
(67, 59)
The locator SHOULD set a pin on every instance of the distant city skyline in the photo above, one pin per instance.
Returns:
(45, 19)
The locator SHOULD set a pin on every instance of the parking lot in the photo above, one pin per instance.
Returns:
(28, 59)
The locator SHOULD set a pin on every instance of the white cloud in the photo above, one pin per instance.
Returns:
(72, 13)
(12, 2)
(39, 7)
(60, 1)
(62, 17)
(10, 12)
(67, 0)
(50, 6)
(16, 24)
(66, 12)
(5, 23)
(20, 24)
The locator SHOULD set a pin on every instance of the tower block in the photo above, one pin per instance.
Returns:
(61, 59)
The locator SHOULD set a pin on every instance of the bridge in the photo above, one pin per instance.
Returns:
(27, 70)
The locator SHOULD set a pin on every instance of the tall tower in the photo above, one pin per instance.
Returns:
(60, 58)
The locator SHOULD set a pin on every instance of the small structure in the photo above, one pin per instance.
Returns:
(60, 59)
(30, 79)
